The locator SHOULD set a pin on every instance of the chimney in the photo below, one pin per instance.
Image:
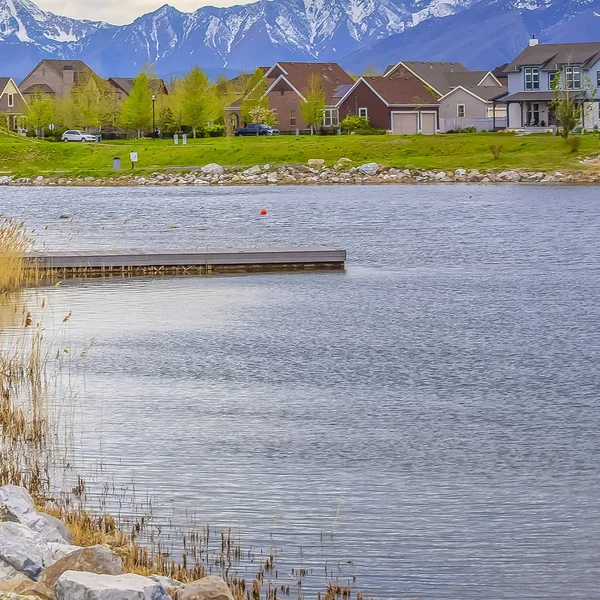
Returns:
(533, 41)
(68, 76)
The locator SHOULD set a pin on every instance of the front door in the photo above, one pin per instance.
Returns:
(533, 114)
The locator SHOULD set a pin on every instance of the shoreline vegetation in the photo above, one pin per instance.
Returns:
(47, 534)
(307, 159)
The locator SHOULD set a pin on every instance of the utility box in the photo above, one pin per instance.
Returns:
(116, 164)
(184, 139)
(176, 139)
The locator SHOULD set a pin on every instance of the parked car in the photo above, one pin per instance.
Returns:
(74, 135)
(256, 129)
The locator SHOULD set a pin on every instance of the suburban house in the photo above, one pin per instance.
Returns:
(400, 103)
(530, 78)
(54, 77)
(466, 98)
(12, 103)
(286, 85)
(124, 85)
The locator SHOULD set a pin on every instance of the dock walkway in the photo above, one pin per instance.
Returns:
(182, 262)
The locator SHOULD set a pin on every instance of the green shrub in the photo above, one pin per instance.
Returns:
(214, 131)
(355, 123)
(471, 129)
(371, 131)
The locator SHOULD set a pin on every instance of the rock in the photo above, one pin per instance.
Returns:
(441, 176)
(59, 526)
(272, 178)
(5, 180)
(166, 582)
(59, 551)
(98, 560)
(315, 162)
(213, 169)
(23, 549)
(252, 171)
(460, 172)
(24, 588)
(75, 585)
(369, 169)
(344, 161)
(208, 588)
(39, 179)
(7, 516)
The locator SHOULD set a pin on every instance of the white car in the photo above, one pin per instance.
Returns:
(73, 135)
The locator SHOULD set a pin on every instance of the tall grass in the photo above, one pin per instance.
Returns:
(14, 244)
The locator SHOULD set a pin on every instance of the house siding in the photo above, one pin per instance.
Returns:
(364, 97)
(19, 105)
(475, 108)
(282, 102)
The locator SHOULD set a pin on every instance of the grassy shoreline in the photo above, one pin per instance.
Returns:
(20, 157)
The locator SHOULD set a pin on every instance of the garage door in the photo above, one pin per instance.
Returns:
(428, 123)
(405, 123)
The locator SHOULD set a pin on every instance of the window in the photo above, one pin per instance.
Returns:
(363, 112)
(573, 78)
(551, 77)
(532, 78)
(11, 100)
(461, 111)
(331, 117)
(598, 79)
(292, 117)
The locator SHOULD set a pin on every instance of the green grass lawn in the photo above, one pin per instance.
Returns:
(27, 157)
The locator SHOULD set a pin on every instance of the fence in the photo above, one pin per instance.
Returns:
(481, 124)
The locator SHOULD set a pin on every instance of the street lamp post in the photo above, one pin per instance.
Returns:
(153, 116)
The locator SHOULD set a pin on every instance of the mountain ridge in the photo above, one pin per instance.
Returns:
(355, 33)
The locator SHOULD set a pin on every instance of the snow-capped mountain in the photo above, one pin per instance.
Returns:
(353, 32)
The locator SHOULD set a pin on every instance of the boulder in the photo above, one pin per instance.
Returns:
(61, 550)
(213, 169)
(369, 169)
(344, 161)
(25, 588)
(59, 526)
(75, 585)
(441, 176)
(315, 162)
(166, 582)
(252, 171)
(460, 172)
(98, 560)
(207, 588)
(23, 549)
(7, 516)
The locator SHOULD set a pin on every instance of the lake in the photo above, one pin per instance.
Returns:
(430, 415)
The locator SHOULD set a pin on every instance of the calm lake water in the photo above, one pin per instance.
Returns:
(431, 415)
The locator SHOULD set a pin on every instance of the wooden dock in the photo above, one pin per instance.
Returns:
(178, 262)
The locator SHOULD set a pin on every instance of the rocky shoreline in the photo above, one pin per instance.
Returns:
(317, 173)
(39, 561)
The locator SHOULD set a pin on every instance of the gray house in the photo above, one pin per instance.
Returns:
(54, 77)
(12, 103)
(530, 78)
(466, 98)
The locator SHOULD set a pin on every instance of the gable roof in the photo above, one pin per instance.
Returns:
(483, 93)
(125, 85)
(397, 91)
(4, 81)
(434, 74)
(43, 88)
(550, 56)
(298, 75)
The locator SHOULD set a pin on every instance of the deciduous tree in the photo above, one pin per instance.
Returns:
(41, 112)
(255, 97)
(313, 109)
(198, 98)
(136, 112)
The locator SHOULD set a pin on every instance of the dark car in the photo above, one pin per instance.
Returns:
(255, 129)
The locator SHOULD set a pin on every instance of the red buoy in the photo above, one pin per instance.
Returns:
(263, 212)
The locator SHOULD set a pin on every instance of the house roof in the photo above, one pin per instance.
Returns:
(435, 74)
(550, 56)
(298, 74)
(484, 93)
(531, 96)
(399, 91)
(3, 83)
(43, 88)
(125, 84)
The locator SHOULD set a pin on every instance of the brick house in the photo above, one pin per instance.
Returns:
(286, 85)
(400, 103)
(54, 77)
(12, 103)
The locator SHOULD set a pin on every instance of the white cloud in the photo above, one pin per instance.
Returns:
(122, 11)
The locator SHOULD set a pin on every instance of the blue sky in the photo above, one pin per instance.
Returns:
(122, 11)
